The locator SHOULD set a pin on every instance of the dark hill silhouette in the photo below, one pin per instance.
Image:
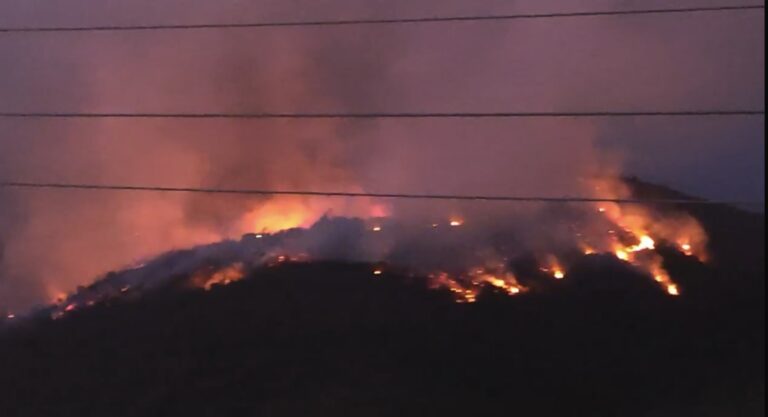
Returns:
(328, 339)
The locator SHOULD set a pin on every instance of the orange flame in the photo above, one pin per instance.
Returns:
(207, 278)
(554, 267)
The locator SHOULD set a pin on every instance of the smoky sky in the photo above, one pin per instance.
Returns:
(652, 62)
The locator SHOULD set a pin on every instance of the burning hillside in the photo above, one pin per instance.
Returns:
(267, 325)
(456, 253)
(261, 326)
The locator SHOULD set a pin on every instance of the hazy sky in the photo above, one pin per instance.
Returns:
(701, 61)
(651, 62)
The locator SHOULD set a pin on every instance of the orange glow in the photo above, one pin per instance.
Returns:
(377, 272)
(645, 226)
(687, 249)
(207, 277)
(378, 211)
(466, 288)
(497, 277)
(553, 267)
(281, 214)
(672, 289)
(456, 222)
(646, 243)
(376, 228)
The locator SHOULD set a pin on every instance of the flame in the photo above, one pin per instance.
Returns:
(648, 226)
(508, 282)
(646, 243)
(554, 267)
(207, 278)
(672, 289)
(280, 214)
(587, 249)
(644, 227)
(444, 280)
(288, 212)
(466, 287)
(631, 233)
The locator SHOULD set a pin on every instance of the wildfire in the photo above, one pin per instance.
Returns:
(463, 294)
(587, 250)
(280, 214)
(467, 287)
(208, 277)
(646, 243)
(630, 233)
(672, 289)
(553, 267)
(640, 230)
(626, 253)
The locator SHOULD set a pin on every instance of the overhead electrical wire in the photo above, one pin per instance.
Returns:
(378, 115)
(385, 21)
(457, 197)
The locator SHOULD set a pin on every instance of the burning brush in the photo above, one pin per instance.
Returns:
(632, 234)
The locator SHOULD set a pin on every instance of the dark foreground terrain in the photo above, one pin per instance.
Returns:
(329, 339)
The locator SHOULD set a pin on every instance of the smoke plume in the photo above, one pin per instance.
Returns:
(52, 241)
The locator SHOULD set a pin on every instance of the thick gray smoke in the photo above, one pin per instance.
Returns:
(52, 241)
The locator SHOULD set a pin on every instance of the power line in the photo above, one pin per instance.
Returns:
(448, 115)
(348, 22)
(245, 191)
